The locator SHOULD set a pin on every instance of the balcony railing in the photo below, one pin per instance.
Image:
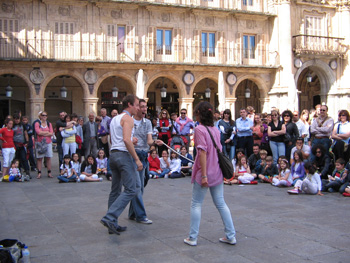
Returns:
(318, 45)
(81, 51)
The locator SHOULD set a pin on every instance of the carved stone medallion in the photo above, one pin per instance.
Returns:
(90, 76)
(8, 7)
(36, 76)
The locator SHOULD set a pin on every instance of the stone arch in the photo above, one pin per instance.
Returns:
(258, 81)
(173, 77)
(324, 73)
(200, 77)
(127, 77)
(21, 75)
(76, 75)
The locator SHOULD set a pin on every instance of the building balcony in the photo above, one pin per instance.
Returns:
(114, 52)
(319, 46)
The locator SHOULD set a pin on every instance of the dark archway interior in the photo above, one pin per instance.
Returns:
(242, 101)
(308, 92)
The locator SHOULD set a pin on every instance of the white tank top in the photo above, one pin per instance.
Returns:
(116, 131)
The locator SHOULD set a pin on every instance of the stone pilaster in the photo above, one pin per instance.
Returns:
(265, 107)
(186, 103)
(90, 105)
(36, 105)
(230, 103)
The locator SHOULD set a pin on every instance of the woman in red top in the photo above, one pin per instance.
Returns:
(8, 147)
(154, 166)
(164, 129)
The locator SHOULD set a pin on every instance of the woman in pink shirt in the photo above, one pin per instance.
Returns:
(207, 175)
(44, 131)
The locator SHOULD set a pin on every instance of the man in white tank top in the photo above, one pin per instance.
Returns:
(124, 164)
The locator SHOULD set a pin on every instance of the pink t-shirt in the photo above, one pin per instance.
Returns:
(39, 128)
(203, 141)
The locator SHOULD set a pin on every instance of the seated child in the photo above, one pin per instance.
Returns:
(76, 165)
(186, 165)
(175, 166)
(337, 179)
(15, 172)
(88, 170)
(311, 184)
(284, 178)
(67, 173)
(297, 168)
(154, 166)
(346, 183)
(164, 163)
(261, 163)
(268, 171)
(234, 178)
(101, 162)
(243, 170)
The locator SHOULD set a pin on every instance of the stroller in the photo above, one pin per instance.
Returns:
(177, 141)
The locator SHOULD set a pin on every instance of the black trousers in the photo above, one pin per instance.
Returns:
(246, 143)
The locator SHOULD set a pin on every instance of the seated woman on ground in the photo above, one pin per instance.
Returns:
(284, 178)
(297, 169)
(175, 166)
(164, 162)
(186, 165)
(321, 161)
(234, 178)
(67, 173)
(243, 171)
(154, 166)
(269, 170)
(101, 162)
(311, 184)
(88, 170)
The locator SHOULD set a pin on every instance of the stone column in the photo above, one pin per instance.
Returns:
(230, 104)
(36, 105)
(186, 103)
(90, 105)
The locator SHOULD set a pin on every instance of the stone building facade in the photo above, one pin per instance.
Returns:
(264, 48)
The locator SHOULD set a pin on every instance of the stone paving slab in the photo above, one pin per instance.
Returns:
(60, 223)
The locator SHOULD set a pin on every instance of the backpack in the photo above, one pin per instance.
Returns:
(12, 247)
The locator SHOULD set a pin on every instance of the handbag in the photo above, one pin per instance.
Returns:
(224, 162)
(14, 247)
(41, 146)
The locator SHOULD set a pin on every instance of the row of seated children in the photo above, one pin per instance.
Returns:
(15, 173)
(173, 167)
(71, 170)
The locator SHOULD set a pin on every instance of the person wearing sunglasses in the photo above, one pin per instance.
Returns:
(276, 131)
(341, 136)
(183, 126)
(321, 128)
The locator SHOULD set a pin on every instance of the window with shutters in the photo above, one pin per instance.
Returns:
(115, 40)
(314, 29)
(9, 33)
(64, 42)
(249, 46)
(8, 26)
(247, 2)
(208, 44)
(164, 42)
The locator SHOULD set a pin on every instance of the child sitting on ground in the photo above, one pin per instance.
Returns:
(88, 170)
(311, 184)
(337, 179)
(269, 170)
(67, 173)
(186, 165)
(234, 178)
(154, 166)
(243, 170)
(164, 163)
(76, 165)
(101, 162)
(284, 178)
(260, 164)
(15, 172)
(297, 168)
(175, 166)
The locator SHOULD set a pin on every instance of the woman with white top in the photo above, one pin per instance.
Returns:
(175, 166)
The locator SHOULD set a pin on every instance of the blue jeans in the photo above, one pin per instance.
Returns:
(66, 180)
(217, 194)
(137, 208)
(277, 149)
(160, 175)
(231, 154)
(124, 173)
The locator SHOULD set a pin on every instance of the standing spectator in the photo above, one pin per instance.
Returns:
(216, 118)
(173, 117)
(102, 134)
(29, 129)
(155, 131)
(259, 129)
(164, 129)
(303, 128)
(90, 129)
(44, 131)
(276, 131)
(341, 136)
(20, 138)
(8, 146)
(183, 126)
(245, 128)
(292, 132)
(321, 128)
(60, 124)
(114, 113)
(207, 175)
(250, 113)
(79, 137)
(305, 117)
(105, 120)
(227, 132)
(265, 141)
(68, 138)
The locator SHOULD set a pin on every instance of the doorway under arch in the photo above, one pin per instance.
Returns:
(309, 88)
(243, 101)
(199, 92)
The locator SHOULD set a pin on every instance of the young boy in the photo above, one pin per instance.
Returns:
(337, 178)
(269, 170)
(260, 164)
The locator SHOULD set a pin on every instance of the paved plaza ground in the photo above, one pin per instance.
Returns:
(60, 223)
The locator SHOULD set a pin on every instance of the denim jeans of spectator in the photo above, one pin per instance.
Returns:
(217, 194)
(66, 180)
(230, 154)
(160, 175)
(124, 173)
(137, 208)
(277, 149)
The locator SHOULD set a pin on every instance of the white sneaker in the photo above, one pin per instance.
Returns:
(190, 242)
(78, 180)
(101, 179)
(166, 176)
(228, 241)
(145, 221)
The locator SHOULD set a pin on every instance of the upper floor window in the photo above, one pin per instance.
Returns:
(249, 46)
(208, 44)
(116, 34)
(314, 26)
(65, 28)
(247, 2)
(164, 40)
(9, 26)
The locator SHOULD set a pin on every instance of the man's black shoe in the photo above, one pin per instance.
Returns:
(110, 225)
(119, 229)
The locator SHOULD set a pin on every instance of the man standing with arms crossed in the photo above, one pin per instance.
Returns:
(142, 140)
(124, 164)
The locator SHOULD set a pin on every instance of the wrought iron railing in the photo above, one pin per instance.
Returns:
(70, 50)
(319, 45)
